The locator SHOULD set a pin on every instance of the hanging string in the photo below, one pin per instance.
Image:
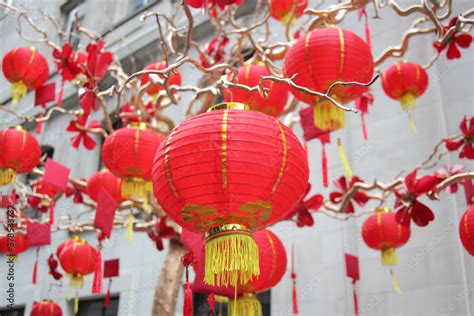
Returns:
(324, 163)
(39, 125)
(344, 161)
(107, 296)
(59, 102)
(98, 277)
(394, 280)
(293, 278)
(35, 267)
(356, 302)
(364, 127)
(51, 211)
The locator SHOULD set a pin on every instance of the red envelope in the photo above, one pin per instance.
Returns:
(352, 266)
(38, 234)
(310, 131)
(56, 174)
(45, 94)
(105, 212)
(111, 268)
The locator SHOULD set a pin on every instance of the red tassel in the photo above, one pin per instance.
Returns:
(35, 267)
(211, 300)
(60, 95)
(356, 303)
(364, 127)
(469, 191)
(188, 300)
(51, 212)
(293, 277)
(107, 296)
(368, 36)
(97, 283)
(324, 162)
(39, 125)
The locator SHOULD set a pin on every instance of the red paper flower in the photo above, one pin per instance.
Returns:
(304, 217)
(67, 62)
(363, 102)
(53, 266)
(446, 172)
(467, 142)
(160, 232)
(215, 50)
(75, 191)
(462, 40)
(360, 197)
(82, 137)
(212, 3)
(407, 202)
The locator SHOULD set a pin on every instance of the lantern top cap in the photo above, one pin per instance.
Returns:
(138, 125)
(19, 128)
(382, 210)
(229, 106)
(227, 228)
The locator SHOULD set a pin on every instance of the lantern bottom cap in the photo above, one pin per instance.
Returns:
(247, 305)
(7, 176)
(389, 257)
(231, 256)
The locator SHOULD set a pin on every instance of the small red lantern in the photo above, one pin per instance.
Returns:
(323, 57)
(26, 69)
(175, 78)
(128, 153)
(250, 75)
(20, 153)
(46, 308)
(208, 180)
(405, 82)
(77, 258)
(105, 179)
(282, 10)
(13, 244)
(381, 231)
(466, 230)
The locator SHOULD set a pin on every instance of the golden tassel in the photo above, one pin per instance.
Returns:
(247, 305)
(231, 256)
(389, 257)
(328, 116)
(412, 122)
(130, 227)
(345, 163)
(408, 103)
(76, 304)
(396, 287)
(136, 187)
(7, 176)
(18, 91)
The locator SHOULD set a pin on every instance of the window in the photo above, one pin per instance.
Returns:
(69, 10)
(201, 307)
(135, 5)
(16, 311)
(95, 307)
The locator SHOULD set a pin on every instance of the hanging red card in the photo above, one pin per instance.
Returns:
(111, 268)
(352, 266)
(105, 212)
(45, 94)
(56, 174)
(38, 234)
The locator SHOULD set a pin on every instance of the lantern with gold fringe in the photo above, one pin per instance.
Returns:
(46, 308)
(20, 153)
(381, 231)
(128, 153)
(208, 180)
(405, 82)
(26, 69)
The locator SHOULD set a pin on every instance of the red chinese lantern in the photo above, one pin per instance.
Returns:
(282, 10)
(250, 75)
(128, 153)
(104, 179)
(405, 82)
(227, 173)
(466, 230)
(26, 69)
(13, 245)
(175, 78)
(323, 57)
(46, 308)
(20, 153)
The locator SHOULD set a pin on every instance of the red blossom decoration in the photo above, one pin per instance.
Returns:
(446, 172)
(161, 231)
(462, 40)
(360, 197)
(82, 137)
(407, 202)
(466, 142)
(215, 50)
(67, 62)
(302, 210)
(53, 266)
(212, 3)
(75, 191)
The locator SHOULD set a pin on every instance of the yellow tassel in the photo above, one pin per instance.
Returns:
(408, 102)
(396, 287)
(389, 257)
(344, 161)
(137, 188)
(76, 304)
(221, 299)
(412, 122)
(231, 256)
(18, 91)
(130, 227)
(76, 280)
(7, 176)
(247, 305)
(328, 117)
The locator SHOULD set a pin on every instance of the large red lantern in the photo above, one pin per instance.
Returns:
(26, 69)
(323, 57)
(106, 180)
(227, 173)
(405, 82)
(128, 153)
(250, 75)
(46, 308)
(381, 231)
(466, 230)
(282, 10)
(20, 153)
(77, 258)
(175, 78)
(13, 244)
